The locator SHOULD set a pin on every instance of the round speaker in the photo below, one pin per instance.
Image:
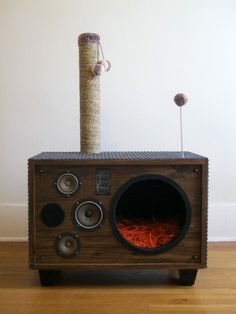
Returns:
(67, 183)
(67, 244)
(52, 215)
(89, 215)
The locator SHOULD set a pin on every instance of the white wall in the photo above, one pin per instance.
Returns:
(157, 48)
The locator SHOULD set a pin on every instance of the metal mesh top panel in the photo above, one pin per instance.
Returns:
(138, 155)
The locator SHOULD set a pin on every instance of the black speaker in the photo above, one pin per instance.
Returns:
(67, 244)
(52, 215)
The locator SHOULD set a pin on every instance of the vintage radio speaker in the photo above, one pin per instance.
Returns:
(84, 208)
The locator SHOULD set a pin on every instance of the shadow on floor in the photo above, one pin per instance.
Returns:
(93, 278)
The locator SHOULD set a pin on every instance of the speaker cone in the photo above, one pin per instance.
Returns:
(52, 215)
(67, 183)
(89, 215)
(67, 244)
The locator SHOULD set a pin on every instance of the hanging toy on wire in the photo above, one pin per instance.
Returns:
(101, 65)
(181, 100)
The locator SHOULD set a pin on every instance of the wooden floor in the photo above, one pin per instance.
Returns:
(113, 292)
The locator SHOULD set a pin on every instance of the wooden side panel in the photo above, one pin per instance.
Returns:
(31, 211)
(204, 212)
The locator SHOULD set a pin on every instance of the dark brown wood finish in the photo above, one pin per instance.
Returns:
(101, 248)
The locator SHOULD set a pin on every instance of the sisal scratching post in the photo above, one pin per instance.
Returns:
(89, 94)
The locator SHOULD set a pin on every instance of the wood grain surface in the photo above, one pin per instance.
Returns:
(101, 249)
(118, 292)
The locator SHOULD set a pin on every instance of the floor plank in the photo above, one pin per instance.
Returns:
(114, 292)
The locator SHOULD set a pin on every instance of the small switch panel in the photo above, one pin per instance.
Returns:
(103, 181)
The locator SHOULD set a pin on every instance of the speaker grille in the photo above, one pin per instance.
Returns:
(52, 215)
(67, 244)
(89, 215)
(67, 183)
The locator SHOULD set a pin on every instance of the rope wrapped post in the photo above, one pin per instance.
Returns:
(89, 93)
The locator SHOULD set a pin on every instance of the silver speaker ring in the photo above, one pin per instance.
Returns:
(61, 177)
(93, 226)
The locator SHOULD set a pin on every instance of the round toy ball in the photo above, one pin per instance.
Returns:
(106, 64)
(97, 69)
(180, 100)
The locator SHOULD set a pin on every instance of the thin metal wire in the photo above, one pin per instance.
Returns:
(98, 54)
(101, 50)
(181, 133)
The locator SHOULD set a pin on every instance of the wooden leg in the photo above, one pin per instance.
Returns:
(48, 277)
(187, 276)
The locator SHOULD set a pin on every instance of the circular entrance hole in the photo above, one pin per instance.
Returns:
(151, 213)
